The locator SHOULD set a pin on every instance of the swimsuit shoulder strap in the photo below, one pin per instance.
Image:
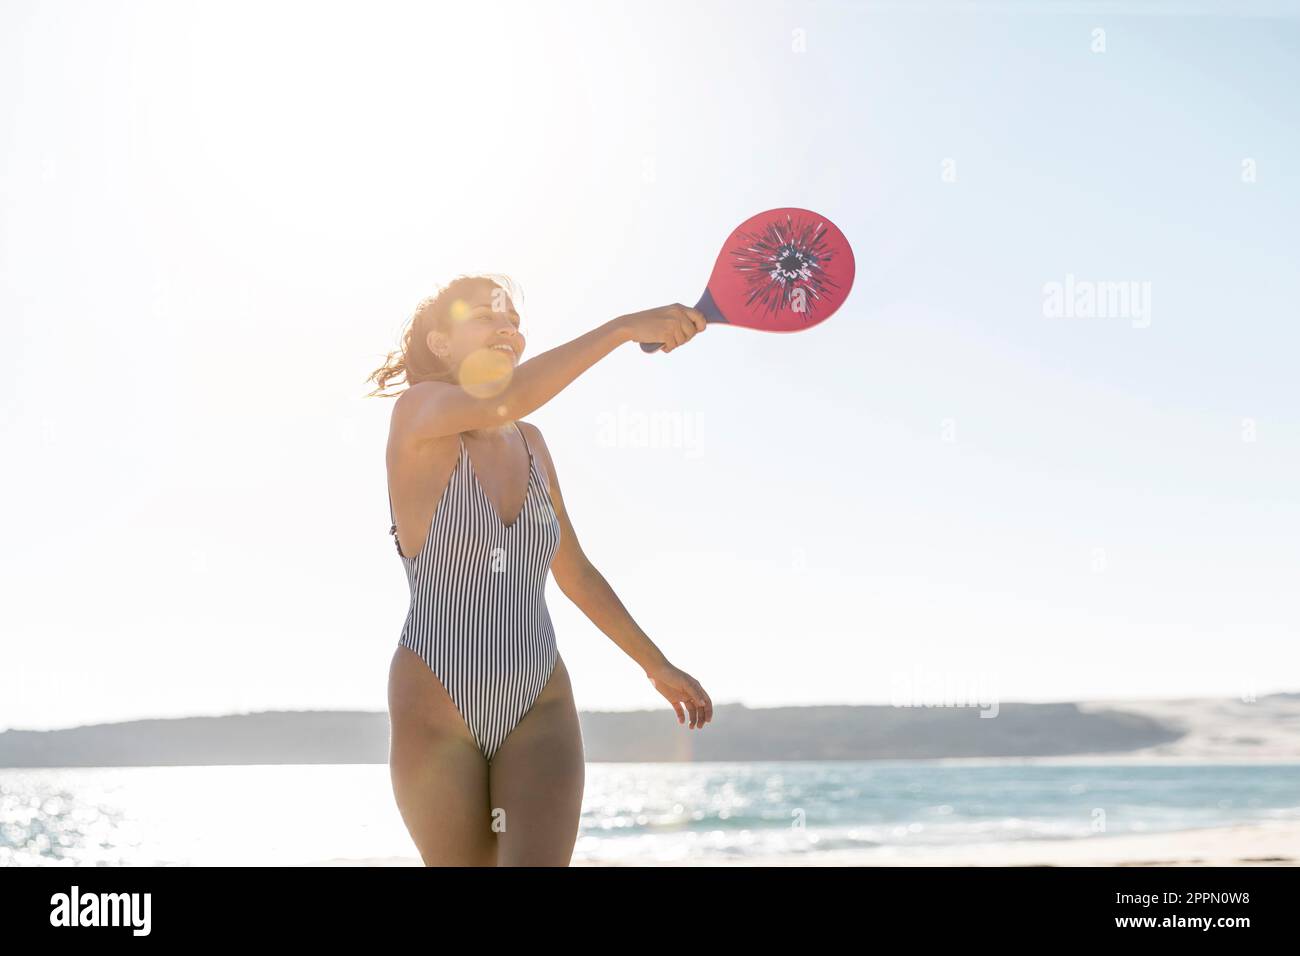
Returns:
(525, 438)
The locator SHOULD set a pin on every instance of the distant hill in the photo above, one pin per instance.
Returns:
(1269, 726)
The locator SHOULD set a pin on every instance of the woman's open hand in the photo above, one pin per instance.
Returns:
(684, 692)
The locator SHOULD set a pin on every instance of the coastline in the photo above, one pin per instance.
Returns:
(1250, 844)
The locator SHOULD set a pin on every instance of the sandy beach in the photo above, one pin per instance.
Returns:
(1264, 844)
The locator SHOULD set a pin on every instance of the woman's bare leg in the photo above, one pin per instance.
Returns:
(536, 780)
(440, 777)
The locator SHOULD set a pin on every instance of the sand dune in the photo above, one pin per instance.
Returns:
(1214, 728)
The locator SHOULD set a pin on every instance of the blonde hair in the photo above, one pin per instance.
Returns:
(414, 361)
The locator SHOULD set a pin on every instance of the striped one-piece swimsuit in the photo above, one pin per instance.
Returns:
(478, 613)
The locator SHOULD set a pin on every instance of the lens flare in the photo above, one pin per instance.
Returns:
(485, 373)
(459, 310)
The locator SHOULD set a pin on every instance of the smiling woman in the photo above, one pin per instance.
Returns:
(444, 313)
(483, 721)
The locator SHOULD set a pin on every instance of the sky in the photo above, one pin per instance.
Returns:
(216, 218)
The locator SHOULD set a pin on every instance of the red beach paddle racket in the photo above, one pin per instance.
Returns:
(784, 270)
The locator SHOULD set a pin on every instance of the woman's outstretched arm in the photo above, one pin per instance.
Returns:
(432, 409)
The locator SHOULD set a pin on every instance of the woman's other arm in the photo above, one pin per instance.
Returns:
(587, 588)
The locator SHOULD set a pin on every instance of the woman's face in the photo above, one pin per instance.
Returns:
(482, 338)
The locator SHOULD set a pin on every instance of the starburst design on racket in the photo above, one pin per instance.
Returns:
(782, 259)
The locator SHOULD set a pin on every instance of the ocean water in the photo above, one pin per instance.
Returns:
(275, 815)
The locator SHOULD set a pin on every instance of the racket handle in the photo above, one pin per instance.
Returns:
(705, 305)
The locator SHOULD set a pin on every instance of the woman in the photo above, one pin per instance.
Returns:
(485, 750)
